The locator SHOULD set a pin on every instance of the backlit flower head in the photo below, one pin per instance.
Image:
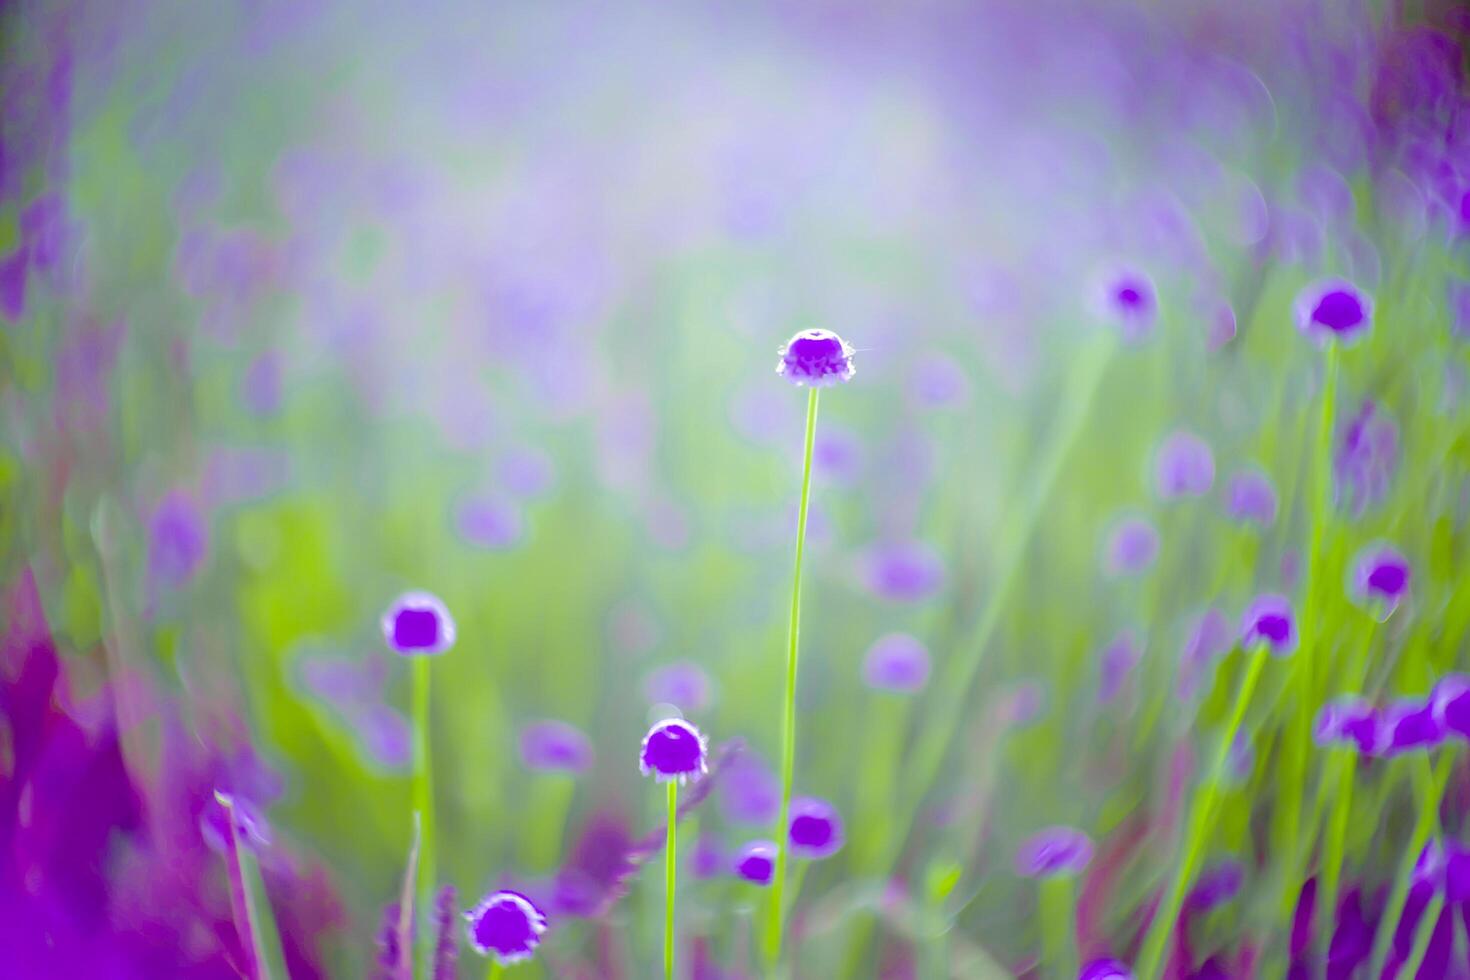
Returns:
(1130, 302)
(1268, 619)
(555, 746)
(815, 830)
(1183, 467)
(896, 662)
(673, 749)
(1333, 310)
(1380, 579)
(1250, 498)
(418, 623)
(818, 358)
(1054, 851)
(756, 862)
(505, 925)
(1106, 970)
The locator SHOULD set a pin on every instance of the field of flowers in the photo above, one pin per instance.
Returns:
(925, 489)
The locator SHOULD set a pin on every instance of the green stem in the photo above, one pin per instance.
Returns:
(1156, 944)
(423, 804)
(1428, 921)
(669, 866)
(772, 944)
(1428, 785)
(495, 969)
(1058, 947)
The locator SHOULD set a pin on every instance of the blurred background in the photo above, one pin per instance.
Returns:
(303, 305)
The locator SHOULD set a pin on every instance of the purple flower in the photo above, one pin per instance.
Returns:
(818, 358)
(1130, 302)
(673, 749)
(1183, 467)
(1380, 579)
(815, 828)
(1105, 970)
(939, 382)
(1407, 725)
(1349, 720)
(1217, 886)
(708, 857)
(751, 793)
(1459, 302)
(1366, 458)
(486, 522)
(1268, 620)
(906, 571)
(1250, 498)
(756, 862)
(446, 950)
(507, 926)
(682, 684)
(1054, 851)
(1334, 309)
(418, 623)
(1132, 546)
(177, 541)
(1118, 659)
(1209, 637)
(1451, 700)
(555, 746)
(896, 662)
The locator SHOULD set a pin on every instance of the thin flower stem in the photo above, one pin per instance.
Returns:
(772, 944)
(423, 804)
(669, 867)
(1428, 787)
(1156, 944)
(1059, 949)
(495, 970)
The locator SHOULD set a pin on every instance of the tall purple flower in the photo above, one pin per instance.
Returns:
(815, 828)
(1054, 851)
(555, 746)
(418, 623)
(1380, 579)
(673, 750)
(1183, 467)
(1251, 498)
(818, 358)
(1334, 310)
(1132, 545)
(506, 925)
(1268, 619)
(756, 862)
(896, 662)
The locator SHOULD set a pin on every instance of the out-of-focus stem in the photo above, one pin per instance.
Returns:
(670, 865)
(423, 804)
(1059, 946)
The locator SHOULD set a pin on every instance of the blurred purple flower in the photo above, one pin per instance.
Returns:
(1209, 636)
(938, 381)
(446, 945)
(818, 358)
(418, 623)
(1334, 310)
(904, 571)
(1407, 725)
(1268, 619)
(527, 473)
(1183, 466)
(177, 541)
(1349, 720)
(682, 684)
(673, 750)
(1054, 851)
(1222, 327)
(13, 284)
(751, 793)
(837, 455)
(1216, 886)
(708, 857)
(1451, 700)
(1105, 969)
(1366, 458)
(756, 862)
(555, 746)
(815, 830)
(1117, 661)
(486, 522)
(1459, 304)
(897, 662)
(1380, 579)
(261, 388)
(1130, 302)
(1132, 546)
(1250, 498)
(507, 926)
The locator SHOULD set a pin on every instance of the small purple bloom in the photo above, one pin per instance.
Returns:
(1184, 466)
(1106, 970)
(708, 858)
(1268, 619)
(818, 358)
(1334, 309)
(1349, 720)
(1218, 885)
(673, 749)
(1132, 546)
(756, 862)
(1118, 659)
(418, 623)
(815, 828)
(1451, 700)
(682, 684)
(896, 662)
(750, 793)
(1054, 851)
(906, 571)
(1250, 498)
(507, 926)
(487, 522)
(1131, 303)
(555, 746)
(177, 541)
(1380, 579)
(1407, 725)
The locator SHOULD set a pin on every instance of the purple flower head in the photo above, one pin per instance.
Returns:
(487, 522)
(1451, 700)
(818, 358)
(1130, 302)
(1117, 660)
(906, 571)
(673, 749)
(896, 662)
(1380, 579)
(815, 828)
(750, 793)
(1268, 619)
(1132, 546)
(1351, 721)
(1407, 725)
(1054, 851)
(507, 926)
(1209, 636)
(756, 862)
(177, 541)
(1250, 498)
(1106, 970)
(682, 684)
(708, 858)
(1366, 458)
(1183, 466)
(1217, 886)
(1334, 310)
(555, 746)
(418, 623)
